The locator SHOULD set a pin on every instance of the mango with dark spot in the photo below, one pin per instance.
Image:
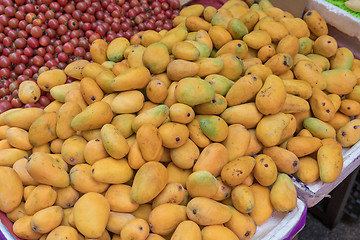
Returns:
(308, 171)
(202, 184)
(286, 161)
(283, 194)
(205, 211)
(241, 224)
(349, 134)
(236, 171)
(215, 128)
(315, 23)
(265, 170)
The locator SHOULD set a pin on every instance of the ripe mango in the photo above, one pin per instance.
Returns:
(149, 181)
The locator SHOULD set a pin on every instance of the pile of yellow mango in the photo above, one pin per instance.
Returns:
(182, 134)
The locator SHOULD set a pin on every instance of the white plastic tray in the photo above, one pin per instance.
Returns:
(314, 192)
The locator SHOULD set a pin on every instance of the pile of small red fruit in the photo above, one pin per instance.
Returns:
(36, 35)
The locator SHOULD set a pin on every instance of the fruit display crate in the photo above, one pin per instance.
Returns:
(278, 227)
(314, 192)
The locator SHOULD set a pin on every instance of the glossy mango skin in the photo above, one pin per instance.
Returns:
(11, 189)
(95, 207)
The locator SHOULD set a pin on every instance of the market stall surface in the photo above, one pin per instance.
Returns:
(314, 229)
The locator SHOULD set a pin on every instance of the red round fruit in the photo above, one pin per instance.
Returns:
(5, 62)
(36, 32)
(68, 48)
(15, 58)
(16, 103)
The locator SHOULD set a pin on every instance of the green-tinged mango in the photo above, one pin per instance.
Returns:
(305, 45)
(214, 107)
(116, 48)
(202, 184)
(283, 194)
(92, 117)
(339, 81)
(209, 66)
(156, 116)
(343, 58)
(318, 128)
(194, 91)
(204, 50)
(237, 47)
(174, 36)
(156, 57)
(149, 181)
(59, 92)
(23, 118)
(237, 29)
(114, 142)
(215, 128)
(221, 84)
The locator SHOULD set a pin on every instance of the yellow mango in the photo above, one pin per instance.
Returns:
(172, 193)
(164, 218)
(133, 78)
(308, 71)
(302, 146)
(280, 63)
(201, 184)
(98, 51)
(49, 79)
(49, 172)
(265, 170)
(241, 224)
(47, 219)
(236, 171)
(63, 232)
(271, 97)
(117, 221)
(158, 62)
(308, 170)
(243, 198)
(135, 229)
(75, 68)
(283, 195)
(110, 170)
(263, 208)
(149, 181)
(92, 117)
(174, 36)
(186, 51)
(29, 92)
(75, 95)
(20, 168)
(118, 196)
(90, 90)
(187, 230)
(41, 197)
(72, 150)
(217, 232)
(205, 211)
(82, 181)
(91, 214)
(11, 189)
(43, 129)
(115, 50)
(179, 68)
(22, 228)
(66, 197)
(286, 161)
